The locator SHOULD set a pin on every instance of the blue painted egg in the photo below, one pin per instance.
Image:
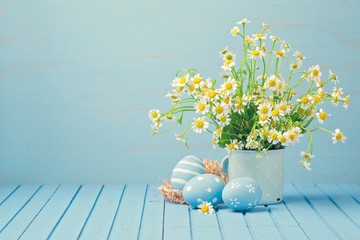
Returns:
(205, 187)
(242, 194)
(185, 170)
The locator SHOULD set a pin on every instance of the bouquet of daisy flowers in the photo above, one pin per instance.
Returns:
(256, 107)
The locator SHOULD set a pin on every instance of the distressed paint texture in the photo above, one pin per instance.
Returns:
(77, 79)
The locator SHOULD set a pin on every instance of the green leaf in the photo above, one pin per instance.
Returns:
(180, 118)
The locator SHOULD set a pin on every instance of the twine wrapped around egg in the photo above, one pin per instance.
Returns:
(176, 196)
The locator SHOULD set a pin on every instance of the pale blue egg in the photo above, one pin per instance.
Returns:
(186, 169)
(242, 194)
(205, 187)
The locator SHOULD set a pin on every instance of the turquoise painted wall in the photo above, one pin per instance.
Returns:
(77, 79)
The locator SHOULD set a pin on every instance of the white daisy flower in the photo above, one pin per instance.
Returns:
(322, 116)
(259, 36)
(229, 86)
(279, 53)
(305, 164)
(337, 92)
(295, 65)
(256, 53)
(224, 120)
(238, 107)
(220, 109)
(284, 108)
(334, 77)
(284, 139)
(263, 119)
(218, 132)
(154, 114)
(201, 107)
(169, 117)
(234, 31)
(306, 156)
(249, 40)
(179, 137)
(206, 208)
(276, 113)
(199, 124)
(315, 73)
(273, 137)
(338, 136)
(319, 84)
(244, 21)
(207, 84)
(174, 96)
(264, 109)
(298, 56)
(196, 80)
(214, 141)
(211, 96)
(229, 56)
(321, 92)
(274, 38)
(346, 103)
(265, 26)
(305, 101)
(224, 51)
(230, 146)
(227, 65)
(180, 82)
(285, 46)
(271, 82)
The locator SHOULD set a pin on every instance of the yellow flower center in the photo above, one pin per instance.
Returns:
(315, 72)
(305, 100)
(218, 131)
(212, 94)
(292, 92)
(191, 87)
(234, 31)
(197, 80)
(280, 85)
(323, 116)
(316, 98)
(306, 156)
(292, 137)
(213, 141)
(238, 101)
(231, 146)
(224, 51)
(346, 101)
(309, 113)
(276, 38)
(226, 100)
(274, 136)
(263, 48)
(322, 93)
(260, 35)
(227, 62)
(264, 110)
(199, 123)
(275, 112)
(154, 114)
(282, 107)
(219, 109)
(248, 41)
(272, 83)
(255, 53)
(266, 133)
(158, 120)
(259, 100)
(222, 118)
(229, 57)
(170, 117)
(280, 53)
(174, 97)
(201, 106)
(239, 106)
(274, 124)
(263, 117)
(271, 102)
(321, 83)
(282, 139)
(339, 136)
(182, 80)
(300, 57)
(228, 86)
(205, 209)
(294, 66)
(337, 92)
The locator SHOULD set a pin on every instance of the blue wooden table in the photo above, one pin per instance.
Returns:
(320, 211)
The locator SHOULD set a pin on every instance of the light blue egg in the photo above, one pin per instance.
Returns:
(205, 187)
(186, 169)
(242, 194)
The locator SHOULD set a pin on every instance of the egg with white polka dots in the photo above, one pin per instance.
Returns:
(205, 187)
(242, 194)
(186, 169)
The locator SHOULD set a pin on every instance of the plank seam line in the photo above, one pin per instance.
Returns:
(275, 222)
(21, 208)
(63, 214)
(191, 232)
(317, 212)
(248, 226)
(163, 220)
(92, 208)
(116, 212)
(32, 220)
(10, 194)
(142, 212)
(218, 222)
(298, 223)
(337, 206)
(355, 199)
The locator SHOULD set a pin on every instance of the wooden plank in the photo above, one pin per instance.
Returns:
(16, 202)
(101, 218)
(6, 191)
(15, 228)
(232, 223)
(47, 219)
(347, 205)
(176, 222)
(126, 224)
(204, 226)
(71, 224)
(353, 190)
(263, 227)
(336, 220)
(152, 220)
(286, 222)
